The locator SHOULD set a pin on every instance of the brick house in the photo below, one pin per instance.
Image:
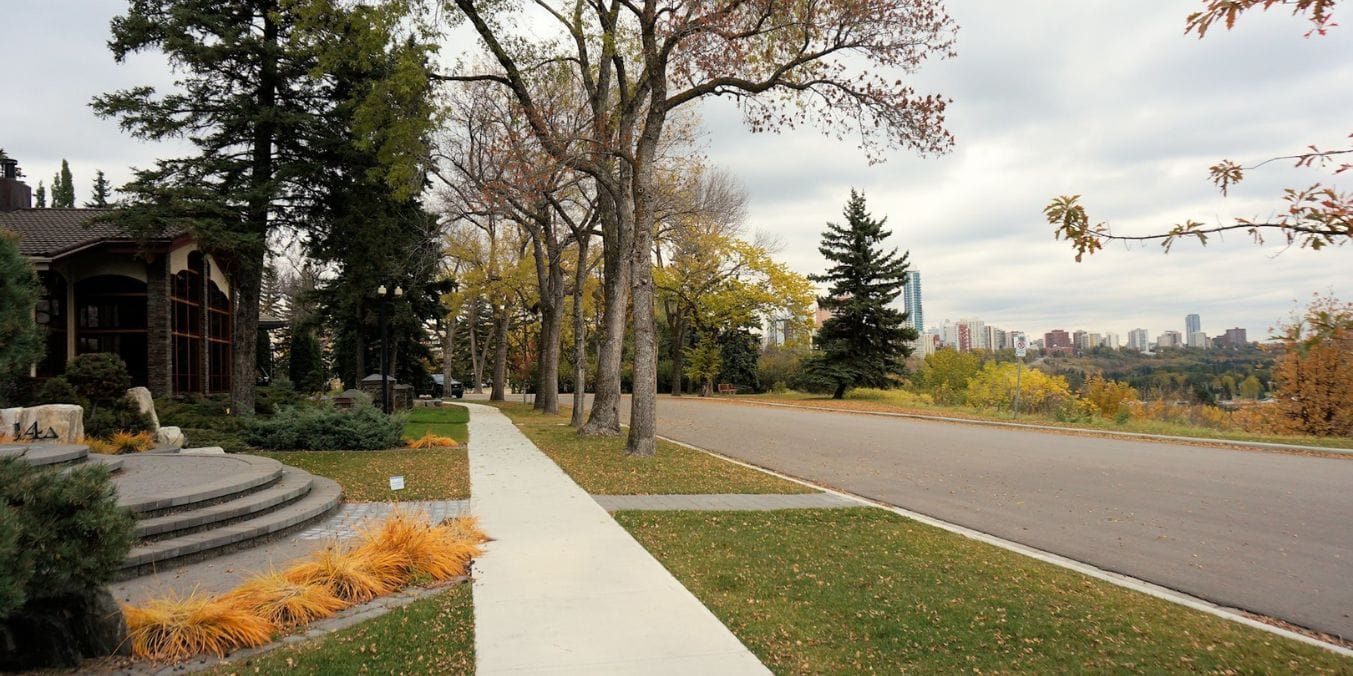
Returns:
(163, 305)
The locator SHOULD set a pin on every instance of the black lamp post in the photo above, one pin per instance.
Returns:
(385, 299)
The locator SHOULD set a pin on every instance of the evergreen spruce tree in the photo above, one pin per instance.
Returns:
(40, 196)
(63, 189)
(99, 194)
(865, 341)
(21, 340)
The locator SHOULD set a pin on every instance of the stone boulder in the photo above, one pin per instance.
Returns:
(8, 418)
(170, 437)
(55, 423)
(146, 404)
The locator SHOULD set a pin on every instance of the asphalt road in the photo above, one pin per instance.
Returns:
(1264, 532)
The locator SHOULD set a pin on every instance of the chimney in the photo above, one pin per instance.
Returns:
(14, 194)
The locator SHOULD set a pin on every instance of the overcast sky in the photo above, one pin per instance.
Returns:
(1108, 99)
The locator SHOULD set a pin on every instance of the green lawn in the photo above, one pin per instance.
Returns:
(601, 467)
(856, 590)
(447, 420)
(433, 635)
(429, 473)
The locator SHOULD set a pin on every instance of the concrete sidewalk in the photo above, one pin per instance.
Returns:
(563, 588)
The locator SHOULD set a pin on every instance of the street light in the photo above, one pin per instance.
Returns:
(384, 294)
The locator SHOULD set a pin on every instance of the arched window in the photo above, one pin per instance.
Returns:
(186, 295)
(218, 339)
(110, 316)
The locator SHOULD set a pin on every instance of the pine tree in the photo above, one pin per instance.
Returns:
(40, 196)
(63, 189)
(21, 340)
(98, 197)
(865, 341)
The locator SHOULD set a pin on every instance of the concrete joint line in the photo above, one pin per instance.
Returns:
(1074, 430)
(1125, 581)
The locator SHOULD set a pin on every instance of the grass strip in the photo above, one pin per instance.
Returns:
(855, 590)
(429, 473)
(447, 420)
(1136, 426)
(434, 635)
(600, 466)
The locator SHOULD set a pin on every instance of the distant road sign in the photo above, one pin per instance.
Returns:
(1021, 345)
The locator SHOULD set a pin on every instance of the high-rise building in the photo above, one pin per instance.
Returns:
(1170, 339)
(1192, 324)
(1110, 341)
(1057, 342)
(976, 332)
(1199, 339)
(1233, 339)
(1139, 340)
(911, 297)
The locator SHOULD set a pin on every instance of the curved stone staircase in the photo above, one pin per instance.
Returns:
(190, 507)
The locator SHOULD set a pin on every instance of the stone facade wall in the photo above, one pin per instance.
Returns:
(159, 336)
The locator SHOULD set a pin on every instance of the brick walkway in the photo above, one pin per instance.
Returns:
(723, 501)
(350, 516)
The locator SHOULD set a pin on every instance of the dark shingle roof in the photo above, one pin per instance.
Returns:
(51, 232)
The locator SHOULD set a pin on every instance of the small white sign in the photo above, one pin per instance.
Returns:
(396, 483)
(1021, 345)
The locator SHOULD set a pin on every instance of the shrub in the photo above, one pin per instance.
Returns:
(355, 577)
(100, 377)
(72, 535)
(230, 442)
(272, 398)
(57, 390)
(198, 412)
(1108, 396)
(175, 628)
(13, 575)
(118, 416)
(132, 442)
(994, 387)
(946, 373)
(325, 429)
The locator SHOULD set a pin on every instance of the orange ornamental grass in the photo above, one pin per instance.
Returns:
(435, 551)
(285, 602)
(465, 528)
(175, 628)
(352, 575)
(431, 440)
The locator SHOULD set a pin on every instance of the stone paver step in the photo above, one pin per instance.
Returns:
(293, 485)
(724, 502)
(150, 483)
(353, 515)
(323, 498)
(45, 453)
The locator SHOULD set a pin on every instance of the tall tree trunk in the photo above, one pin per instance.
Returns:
(476, 364)
(579, 336)
(250, 260)
(359, 348)
(550, 279)
(499, 355)
(604, 419)
(448, 353)
(677, 324)
(643, 400)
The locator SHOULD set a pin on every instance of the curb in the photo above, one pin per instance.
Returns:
(1074, 430)
(1125, 581)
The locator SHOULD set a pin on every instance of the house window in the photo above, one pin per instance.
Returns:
(110, 316)
(185, 294)
(218, 339)
(51, 316)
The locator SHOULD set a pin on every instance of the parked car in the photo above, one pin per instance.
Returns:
(457, 388)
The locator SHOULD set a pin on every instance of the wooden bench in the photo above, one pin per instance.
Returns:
(727, 388)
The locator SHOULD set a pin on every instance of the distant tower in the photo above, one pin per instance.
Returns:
(1192, 324)
(911, 296)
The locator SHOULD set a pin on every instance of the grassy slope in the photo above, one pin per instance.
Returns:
(833, 591)
(429, 474)
(433, 635)
(600, 466)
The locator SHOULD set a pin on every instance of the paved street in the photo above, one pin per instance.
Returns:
(1264, 532)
